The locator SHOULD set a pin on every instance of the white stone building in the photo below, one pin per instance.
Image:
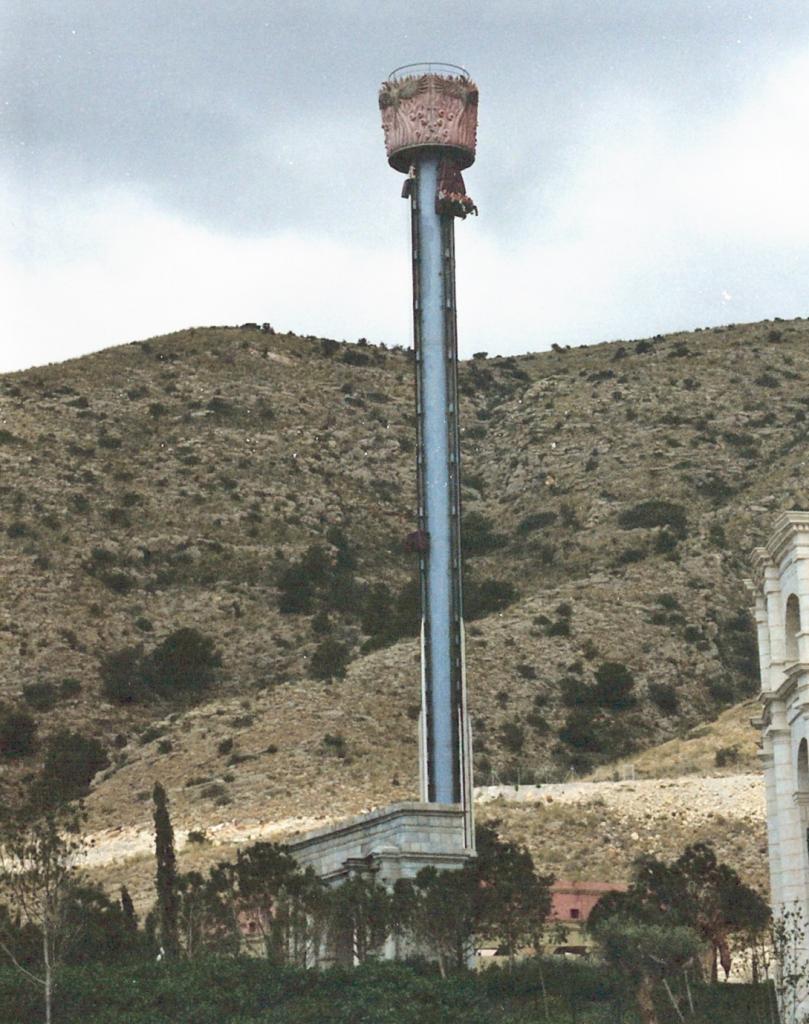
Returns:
(781, 587)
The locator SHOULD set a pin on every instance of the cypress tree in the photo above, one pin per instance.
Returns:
(128, 910)
(166, 880)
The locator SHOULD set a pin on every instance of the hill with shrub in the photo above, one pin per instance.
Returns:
(205, 580)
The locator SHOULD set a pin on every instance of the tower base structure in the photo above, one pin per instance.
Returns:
(781, 589)
(386, 844)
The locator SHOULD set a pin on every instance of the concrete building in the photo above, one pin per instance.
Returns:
(781, 588)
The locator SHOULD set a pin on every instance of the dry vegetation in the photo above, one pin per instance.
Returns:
(174, 482)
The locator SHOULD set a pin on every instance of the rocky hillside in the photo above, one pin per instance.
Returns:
(256, 487)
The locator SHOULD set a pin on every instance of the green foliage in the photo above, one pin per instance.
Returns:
(166, 875)
(322, 580)
(665, 697)
(725, 756)
(329, 660)
(40, 696)
(512, 736)
(17, 733)
(483, 597)
(38, 855)
(695, 891)
(614, 685)
(182, 666)
(361, 916)
(478, 536)
(71, 761)
(656, 512)
(738, 650)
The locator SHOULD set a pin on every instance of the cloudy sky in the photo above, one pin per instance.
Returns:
(643, 166)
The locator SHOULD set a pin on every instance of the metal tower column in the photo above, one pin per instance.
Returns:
(429, 117)
(439, 483)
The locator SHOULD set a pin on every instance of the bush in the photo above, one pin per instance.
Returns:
(512, 736)
(580, 732)
(478, 536)
(614, 685)
(738, 649)
(121, 675)
(17, 734)
(183, 665)
(71, 761)
(40, 696)
(649, 514)
(335, 743)
(665, 697)
(725, 756)
(69, 687)
(330, 660)
(185, 662)
(491, 595)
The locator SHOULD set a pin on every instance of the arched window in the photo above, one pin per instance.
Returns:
(792, 626)
(803, 767)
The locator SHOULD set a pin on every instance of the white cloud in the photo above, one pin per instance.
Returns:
(652, 229)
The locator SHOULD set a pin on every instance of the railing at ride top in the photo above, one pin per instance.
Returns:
(447, 70)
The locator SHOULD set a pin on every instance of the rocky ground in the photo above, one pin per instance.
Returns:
(175, 482)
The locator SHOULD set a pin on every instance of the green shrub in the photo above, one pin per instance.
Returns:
(487, 596)
(69, 687)
(336, 744)
(40, 696)
(512, 736)
(614, 685)
(478, 535)
(665, 697)
(580, 731)
(329, 660)
(576, 693)
(738, 650)
(536, 521)
(655, 513)
(17, 734)
(183, 665)
(630, 555)
(71, 761)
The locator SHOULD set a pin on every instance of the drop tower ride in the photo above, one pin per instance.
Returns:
(429, 117)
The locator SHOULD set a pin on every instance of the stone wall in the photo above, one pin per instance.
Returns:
(394, 842)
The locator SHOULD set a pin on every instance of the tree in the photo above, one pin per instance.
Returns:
(166, 878)
(102, 930)
(644, 955)
(287, 907)
(705, 895)
(39, 855)
(695, 891)
(514, 901)
(206, 918)
(360, 918)
(128, 909)
(440, 910)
